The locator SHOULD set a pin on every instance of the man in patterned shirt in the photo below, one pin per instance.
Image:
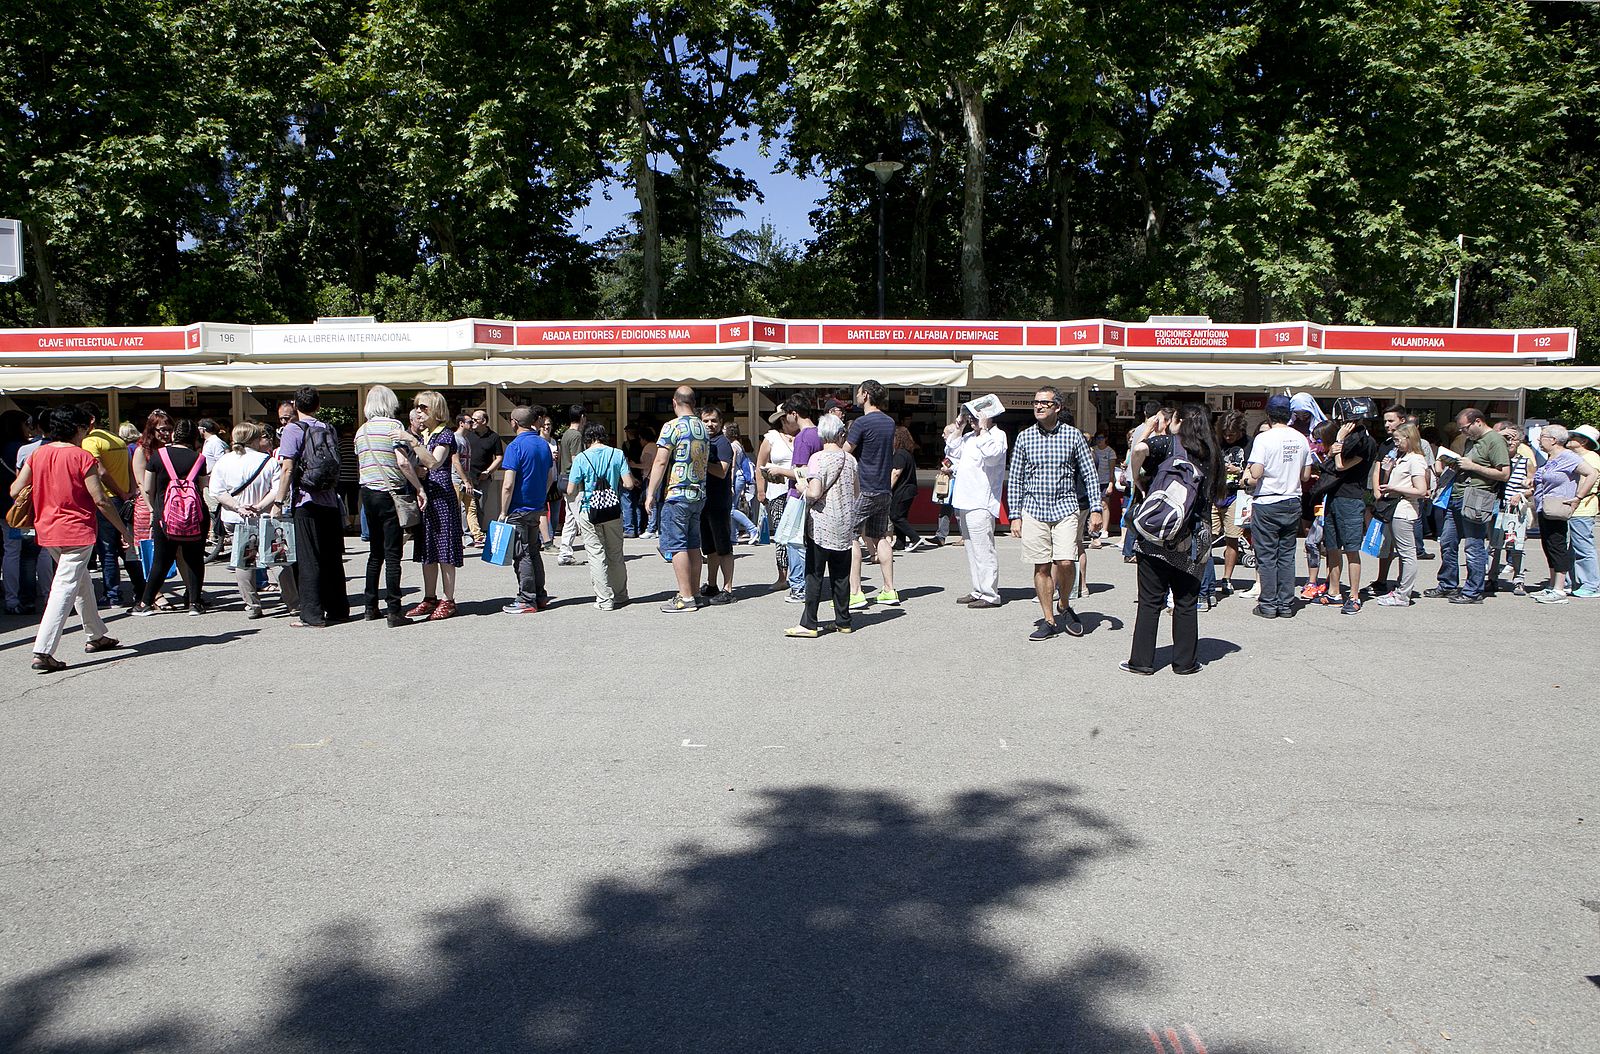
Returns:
(682, 451)
(1051, 465)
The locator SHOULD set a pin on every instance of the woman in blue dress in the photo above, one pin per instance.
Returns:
(441, 549)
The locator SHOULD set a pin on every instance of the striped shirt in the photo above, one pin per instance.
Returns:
(375, 456)
(1050, 474)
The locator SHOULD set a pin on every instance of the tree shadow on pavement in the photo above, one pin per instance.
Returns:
(850, 921)
(29, 1006)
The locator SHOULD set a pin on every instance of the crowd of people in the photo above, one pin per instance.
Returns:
(832, 485)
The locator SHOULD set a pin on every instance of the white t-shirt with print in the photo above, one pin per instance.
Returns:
(1282, 453)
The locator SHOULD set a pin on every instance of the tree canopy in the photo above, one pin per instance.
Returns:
(269, 160)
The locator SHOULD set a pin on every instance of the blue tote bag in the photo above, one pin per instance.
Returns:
(497, 543)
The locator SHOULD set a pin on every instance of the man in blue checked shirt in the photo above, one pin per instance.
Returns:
(1051, 466)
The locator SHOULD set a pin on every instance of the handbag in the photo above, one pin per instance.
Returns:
(497, 543)
(792, 528)
(246, 544)
(147, 559)
(274, 542)
(20, 516)
(1554, 508)
(605, 504)
(406, 509)
(1478, 504)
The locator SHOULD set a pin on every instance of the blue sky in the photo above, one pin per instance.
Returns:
(788, 200)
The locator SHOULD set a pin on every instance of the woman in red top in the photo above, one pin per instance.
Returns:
(66, 491)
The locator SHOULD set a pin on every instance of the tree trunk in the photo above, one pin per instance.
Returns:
(694, 237)
(974, 282)
(922, 221)
(644, 187)
(49, 299)
(1066, 249)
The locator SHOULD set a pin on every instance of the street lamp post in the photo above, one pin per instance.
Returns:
(885, 171)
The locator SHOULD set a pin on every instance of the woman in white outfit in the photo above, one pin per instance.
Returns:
(977, 453)
(777, 451)
(244, 476)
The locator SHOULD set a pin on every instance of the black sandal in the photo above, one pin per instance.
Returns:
(47, 663)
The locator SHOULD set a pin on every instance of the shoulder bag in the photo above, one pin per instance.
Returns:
(604, 503)
(1554, 508)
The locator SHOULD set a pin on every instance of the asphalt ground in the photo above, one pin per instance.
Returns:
(632, 831)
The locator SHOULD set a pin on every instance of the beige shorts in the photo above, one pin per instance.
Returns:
(1046, 543)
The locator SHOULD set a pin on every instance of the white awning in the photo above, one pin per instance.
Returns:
(319, 374)
(77, 378)
(1465, 378)
(892, 373)
(671, 370)
(1226, 375)
(1043, 369)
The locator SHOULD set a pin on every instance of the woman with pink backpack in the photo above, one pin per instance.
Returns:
(173, 486)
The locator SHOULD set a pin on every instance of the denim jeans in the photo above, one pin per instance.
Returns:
(108, 543)
(1274, 528)
(797, 568)
(633, 520)
(741, 524)
(1457, 529)
(1585, 566)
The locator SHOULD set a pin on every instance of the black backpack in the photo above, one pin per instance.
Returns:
(317, 467)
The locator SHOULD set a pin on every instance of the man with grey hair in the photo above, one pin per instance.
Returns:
(524, 493)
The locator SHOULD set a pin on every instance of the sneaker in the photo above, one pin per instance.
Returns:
(1253, 593)
(1045, 631)
(1351, 606)
(1585, 593)
(801, 631)
(566, 560)
(516, 607)
(889, 597)
(677, 604)
(795, 597)
(1260, 612)
(920, 543)
(709, 590)
(858, 601)
(1441, 593)
(1519, 590)
(1128, 667)
(1313, 590)
(843, 629)
(1464, 599)
(1394, 600)
(721, 597)
(1548, 596)
(253, 613)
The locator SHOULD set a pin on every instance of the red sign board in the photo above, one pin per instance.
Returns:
(1544, 342)
(502, 333)
(1286, 337)
(733, 332)
(587, 334)
(1043, 336)
(102, 341)
(770, 332)
(1081, 334)
(913, 334)
(1422, 341)
(1199, 338)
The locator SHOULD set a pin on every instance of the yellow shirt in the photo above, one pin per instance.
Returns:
(112, 453)
(1590, 506)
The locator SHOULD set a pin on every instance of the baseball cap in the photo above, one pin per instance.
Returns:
(1281, 404)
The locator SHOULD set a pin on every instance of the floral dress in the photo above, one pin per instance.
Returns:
(441, 541)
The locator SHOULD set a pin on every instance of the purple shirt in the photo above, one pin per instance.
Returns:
(289, 445)
(805, 444)
(1556, 478)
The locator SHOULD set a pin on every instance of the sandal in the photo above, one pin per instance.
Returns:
(47, 663)
(101, 644)
(443, 611)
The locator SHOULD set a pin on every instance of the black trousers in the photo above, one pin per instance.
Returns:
(900, 513)
(1553, 538)
(1156, 577)
(826, 569)
(319, 559)
(191, 557)
(385, 546)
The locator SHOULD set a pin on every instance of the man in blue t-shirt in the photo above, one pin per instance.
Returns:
(529, 467)
(871, 440)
